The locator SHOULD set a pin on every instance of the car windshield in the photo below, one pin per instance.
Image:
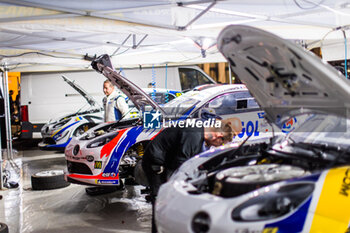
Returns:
(183, 103)
(323, 129)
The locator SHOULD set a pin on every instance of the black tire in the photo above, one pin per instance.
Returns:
(46, 180)
(3, 228)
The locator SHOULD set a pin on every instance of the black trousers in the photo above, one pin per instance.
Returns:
(3, 132)
(155, 180)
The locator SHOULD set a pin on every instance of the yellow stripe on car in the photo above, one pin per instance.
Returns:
(332, 211)
(55, 132)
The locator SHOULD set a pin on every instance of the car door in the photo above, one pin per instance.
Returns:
(241, 105)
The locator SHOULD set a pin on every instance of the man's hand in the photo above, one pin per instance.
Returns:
(158, 169)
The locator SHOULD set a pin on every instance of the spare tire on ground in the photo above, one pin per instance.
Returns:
(3, 228)
(46, 180)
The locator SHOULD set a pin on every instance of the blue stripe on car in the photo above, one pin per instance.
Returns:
(295, 222)
(63, 129)
(60, 145)
(118, 152)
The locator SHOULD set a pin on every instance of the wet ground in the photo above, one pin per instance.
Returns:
(67, 209)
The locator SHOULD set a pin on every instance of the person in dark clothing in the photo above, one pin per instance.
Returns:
(11, 102)
(2, 121)
(173, 146)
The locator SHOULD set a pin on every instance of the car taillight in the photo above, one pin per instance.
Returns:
(24, 113)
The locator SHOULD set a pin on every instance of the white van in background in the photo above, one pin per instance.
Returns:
(44, 95)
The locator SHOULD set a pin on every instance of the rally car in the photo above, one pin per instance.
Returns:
(57, 133)
(107, 153)
(297, 183)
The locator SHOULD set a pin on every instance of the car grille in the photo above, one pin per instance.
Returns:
(79, 168)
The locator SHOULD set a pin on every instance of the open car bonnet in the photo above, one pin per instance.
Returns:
(81, 91)
(285, 80)
(103, 65)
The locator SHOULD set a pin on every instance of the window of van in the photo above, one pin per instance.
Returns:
(191, 78)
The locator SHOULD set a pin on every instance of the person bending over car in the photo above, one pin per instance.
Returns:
(114, 103)
(173, 146)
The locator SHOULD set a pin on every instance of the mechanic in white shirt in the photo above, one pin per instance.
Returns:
(114, 103)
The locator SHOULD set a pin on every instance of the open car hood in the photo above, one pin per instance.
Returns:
(81, 91)
(103, 65)
(285, 80)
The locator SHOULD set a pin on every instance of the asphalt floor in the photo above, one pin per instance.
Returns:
(67, 209)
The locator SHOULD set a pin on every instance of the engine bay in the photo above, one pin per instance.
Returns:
(246, 168)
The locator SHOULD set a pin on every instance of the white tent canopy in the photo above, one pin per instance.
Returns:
(39, 35)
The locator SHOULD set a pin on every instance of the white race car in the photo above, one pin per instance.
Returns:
(109, 152)
(297, 183)
(57, 133)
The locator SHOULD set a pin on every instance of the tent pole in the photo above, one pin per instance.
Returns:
(3, 95)
(7, 113)
(199, 15)
(229, 73)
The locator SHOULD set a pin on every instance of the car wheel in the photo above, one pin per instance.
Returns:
(3, 228)
(239, 180)
(46, 180)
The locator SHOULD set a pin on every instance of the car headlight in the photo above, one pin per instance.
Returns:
(201, 222)
(102, 140)
(274, 203)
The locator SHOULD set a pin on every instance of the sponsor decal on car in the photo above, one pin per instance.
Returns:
(270, 230)
(329, 215)
(250, 129)
(289, 125)
(98, 165)
(112, 174)
(107, 181)
(344, 190)
(261, 115)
